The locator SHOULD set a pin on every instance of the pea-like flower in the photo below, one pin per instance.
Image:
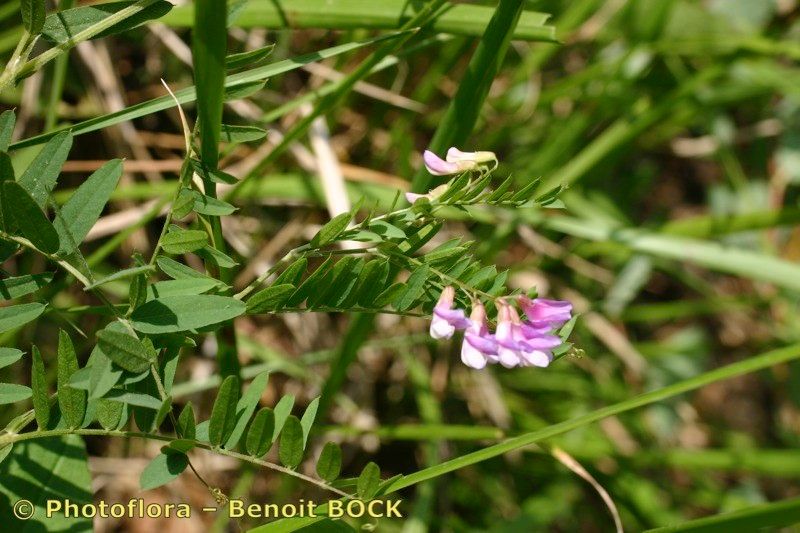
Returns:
(543, 313)
(431, 195)
(456, 161)
(520, 346)
(454, 155)
(479, 346)
(447, 320)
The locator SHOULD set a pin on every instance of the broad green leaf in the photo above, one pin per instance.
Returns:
(39, 179)
(242, 60)
(245, 408)
(172, 314)
(307, 422)
(242, 134)
(184, 241)
(15, 316)
(72, 402)
(135, 399)
(125, 350)
(32, 15)
(260, 435)
(29, 218)
(290, 450)
(329, 464)
(282, 411)
(15, 287)
(269, 299)
(186, 422)
(293, 273)
(415, 286)
(223, 414)
(77, 216)
(9, 356)
(183, 204)
(209, 47)
(180, 287)
(41, 398)
(328, 233)
(61, 26)
(7, 121)
(121, 274)
(13, 393)
(109, 413)
(206, 205)
(42, 470)
(368, 481)
(162, 469)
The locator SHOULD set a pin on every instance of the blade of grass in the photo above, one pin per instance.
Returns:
(756, 518)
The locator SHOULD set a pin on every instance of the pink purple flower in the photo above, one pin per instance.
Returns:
(447, 320)
(456, 161)
(520, 346)
(479, 346)
(542, 312)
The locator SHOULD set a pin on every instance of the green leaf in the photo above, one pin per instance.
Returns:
(45, 470)
(176, 270)
(15, 287)
(328, 233)
(162, 469)
(243, 134)
(13, 393)
(415, 286)
(771, 516)
(172, 314)
(329, 465)
(72, 402)
(290, 450)
(293, 273)
(282, 411)
(209, 46)
(77, 216)
(186, 422)
(309, 285)
(184, 241)
(206, 205)
(368, 481)
(137, 291)
(125, 350)
(61, 26)
(242, 60)
(29, 218)
(372, 281)
(183, 204)
(41, 398)
(9, 356)
(180, 287)
(14, 316)
(212, 174)
(135, 399)
(210, 253)
(269, 299)
(109, 413)
(39, 179)
(386, 230)
(245, 408)
(32, 15)
(121, 274)
(329, 285)
(307, 422)
(7, 121)
(223, 414)
(389, 295)
(163, 411)
(260, 435)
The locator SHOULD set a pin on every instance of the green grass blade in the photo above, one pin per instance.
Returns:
(209, 42)
(756, 518)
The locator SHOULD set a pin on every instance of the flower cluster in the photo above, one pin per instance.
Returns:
(515, 342)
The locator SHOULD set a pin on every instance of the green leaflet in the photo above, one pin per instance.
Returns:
(9, 356)
(13, 393)
(212, 174)
(328, 233)
(41, 398)
(372, 281)
(39, 179)
(293, 273)
(308, 286)
(223, 414)
(122, 274)
(28, 217)
(109, 413)
(184, 204)
(415, 286)
(125, 350)
(269, 299)
(165, 467)
(14, 316)
(180, 287)
(184, 241)
(186, 422)
(32, 15)
(135, 399)
(245, 408)
(15, 287)
(368, 481)
(206, 205)
(260, 435)
(176, 270)
(7, 121)
(290, 450)
(172, 314)
(42, 470)
(209, 253)
(61, 26)
(307, 422)
(77, 216)
(71, 401)
(282, 411)
(329, 464)
(242, 60)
